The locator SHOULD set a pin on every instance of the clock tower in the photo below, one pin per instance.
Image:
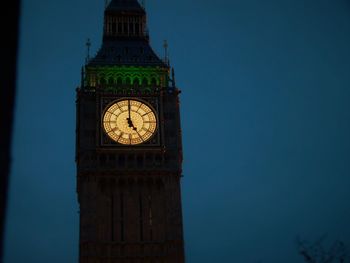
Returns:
(129, 151)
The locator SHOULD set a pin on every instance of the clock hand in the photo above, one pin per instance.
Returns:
(129, 119)
(131, 125)
(129, 110)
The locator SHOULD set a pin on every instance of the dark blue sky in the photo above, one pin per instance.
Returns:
(265, 116)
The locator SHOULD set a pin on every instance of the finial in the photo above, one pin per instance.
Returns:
(166, 57)
(88, 45)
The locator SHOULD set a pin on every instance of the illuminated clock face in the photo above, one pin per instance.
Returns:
(129, 122)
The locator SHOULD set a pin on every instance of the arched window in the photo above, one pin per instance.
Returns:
(120, 27)
(128, 81)
(145, 82)
(126, 27)
(136, 81)
(110, 81)
(102, 80)
(121, 160)
(131, 28)
(154, 81)
(109, 25)
(103, 158)
(93, 81)
(119, 81)
(114, 28)
(139, 161)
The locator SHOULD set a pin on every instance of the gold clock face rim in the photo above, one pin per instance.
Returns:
(129, 121)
